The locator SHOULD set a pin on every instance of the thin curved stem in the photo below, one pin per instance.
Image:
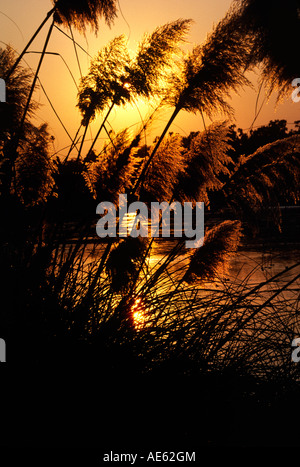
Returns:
(75, 50)
(72, 145)
(29, 43)
(69, 37)
(100, 129)
(35, 80)
(82, 141)
(140, 179)
(146, 166)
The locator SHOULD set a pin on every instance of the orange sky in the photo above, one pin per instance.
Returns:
(19, 20)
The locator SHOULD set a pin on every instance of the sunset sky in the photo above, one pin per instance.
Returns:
(19, 20)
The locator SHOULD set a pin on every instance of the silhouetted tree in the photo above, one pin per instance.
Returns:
(247, 142)
(265, 179)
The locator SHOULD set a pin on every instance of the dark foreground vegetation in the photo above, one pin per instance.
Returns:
(69, 302)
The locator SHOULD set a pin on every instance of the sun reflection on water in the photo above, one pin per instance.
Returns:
(138, 313)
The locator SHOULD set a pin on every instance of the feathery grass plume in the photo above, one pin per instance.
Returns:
(164, 170)
(124, 262)
(264, 179)
(155, 55)
(34, 167)
(11, 113)
(111, 173)
(17, 90)
(80, 13)
(77, 13)
(206, 158)
(211, 71)
(115, 78)
(220, 243)
(274, 29)
(207, 74)
(105, 80)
